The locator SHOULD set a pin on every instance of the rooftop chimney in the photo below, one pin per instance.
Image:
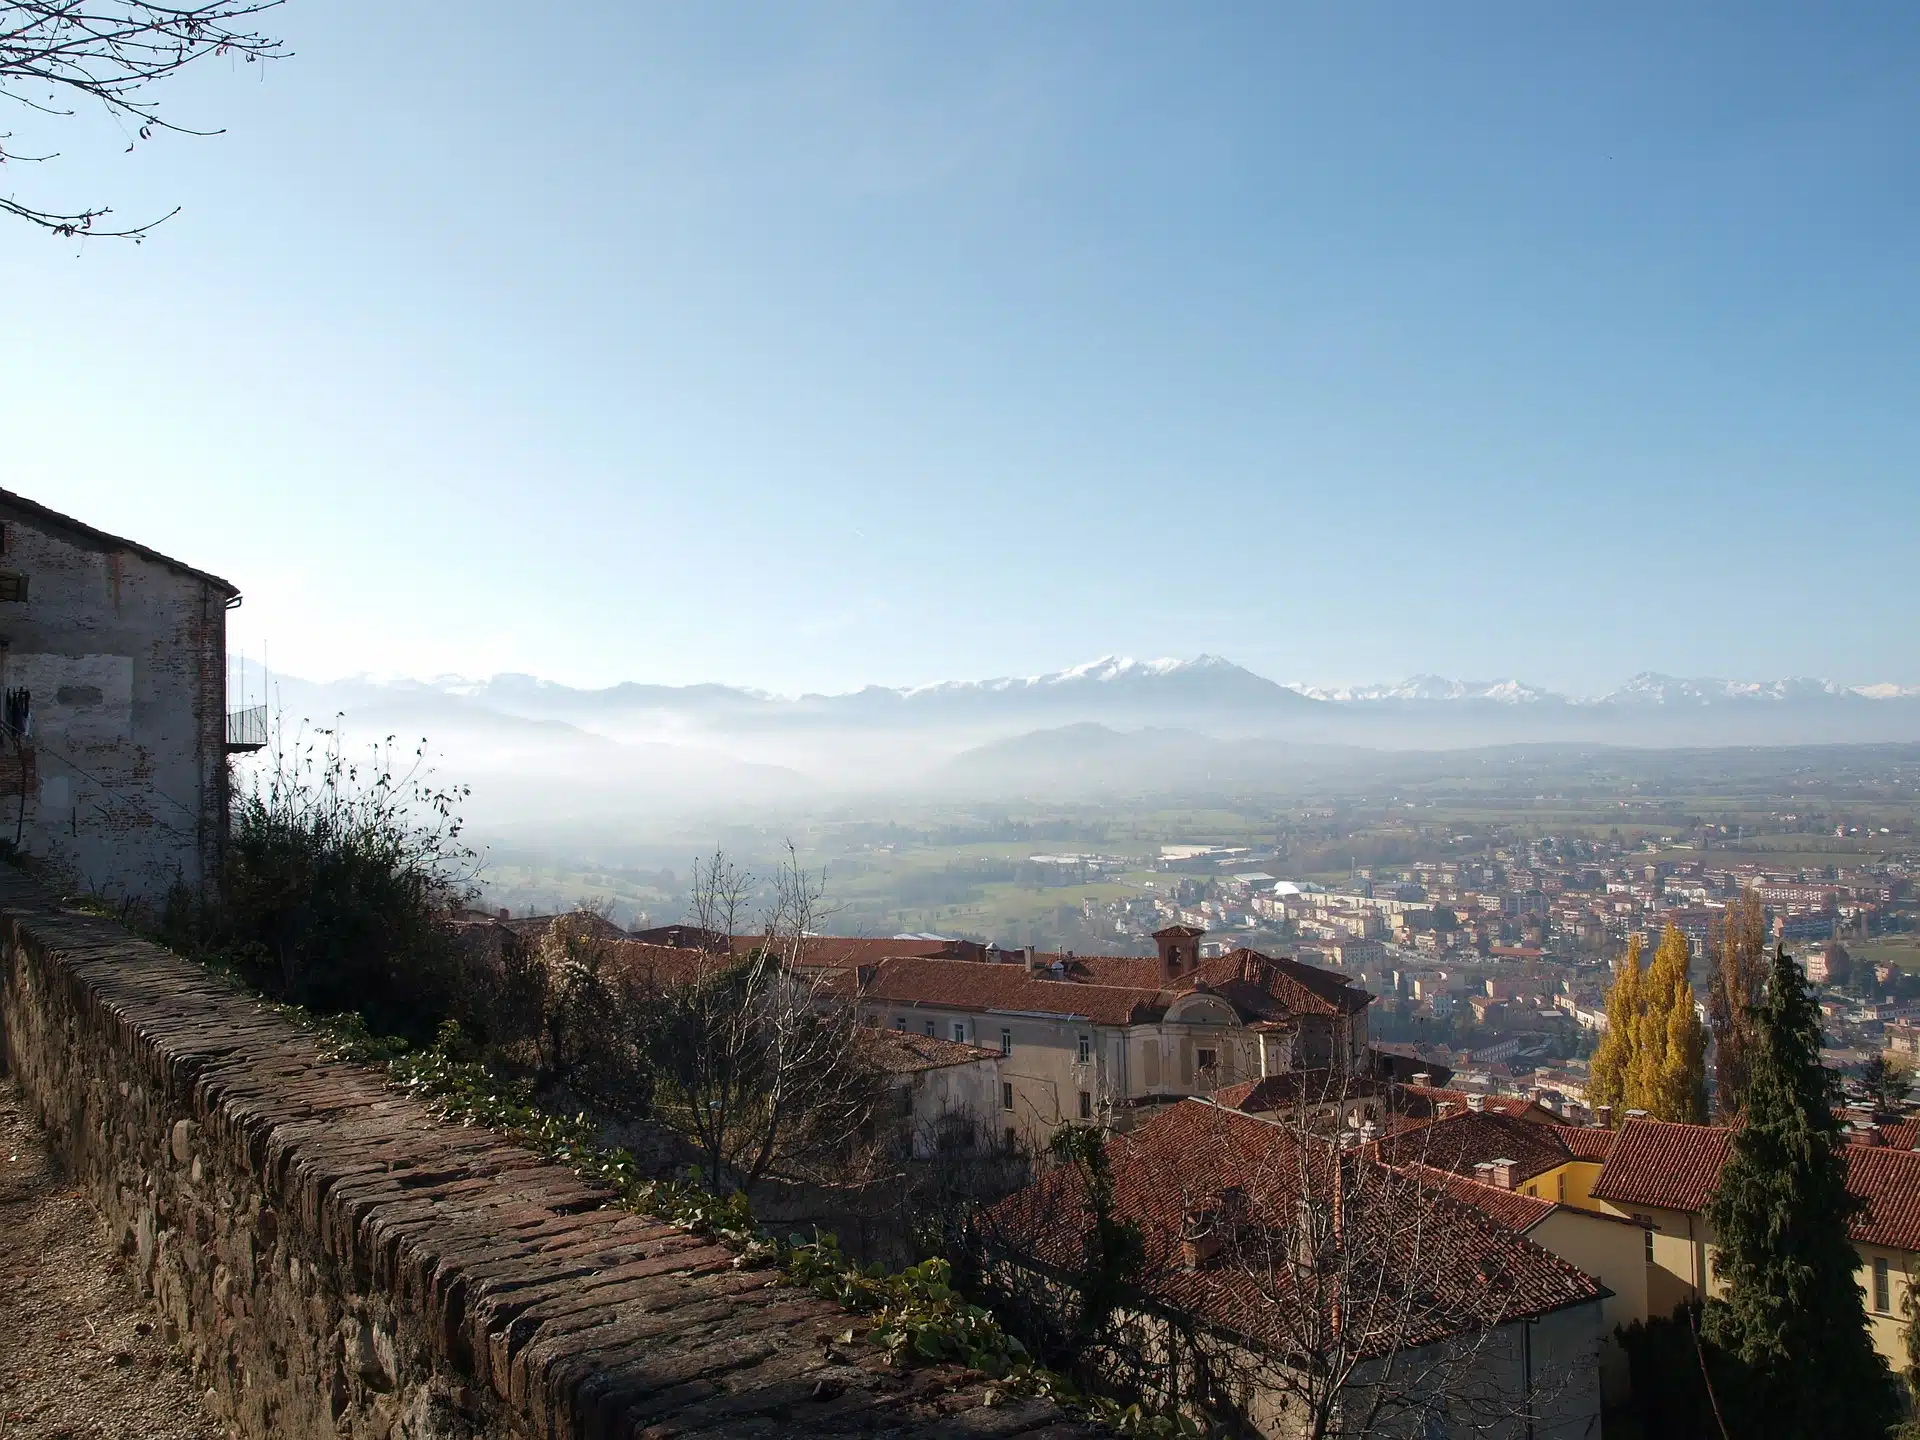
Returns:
(1476, 1103)
(1027, 957)
(1502, 1171)
(505, 913)
(1603, 1116)
(1442, 1108)
(1636, 1114)
(1423, 1078)
(1199, 1238)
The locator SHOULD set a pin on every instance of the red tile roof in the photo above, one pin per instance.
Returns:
(1321, 1086)
(1256, 978)
(1463, 1270)
(1462, 1141)
(1665, 1164)
(1901, 1134)
(1117, 989)
(815, 950)
(533, 928)
(660, 966)
(1676, 1167)
(1425, 1100)
(1519, 1213)
(969, 985)
(1889, 1182)
(900, 1052)
(1586, 1142)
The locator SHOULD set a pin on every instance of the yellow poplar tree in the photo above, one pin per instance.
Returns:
(1649, 1057)
(1614, 1056)
(1678, 1089)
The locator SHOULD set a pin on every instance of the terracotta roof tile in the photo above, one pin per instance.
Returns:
(969, 985)
(900, 1052)
(1197, 1151)
(1462, 1141)
(1663, 1163)
(1889, 1182)
(1519, 1213)
(1425, 1099)
(1586, 1142)
(1321, 1086)
(1118, 989)
(1901, 1134)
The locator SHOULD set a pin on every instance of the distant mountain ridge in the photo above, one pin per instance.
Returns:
(1209, 676)
(539, 748)
(1649, 687)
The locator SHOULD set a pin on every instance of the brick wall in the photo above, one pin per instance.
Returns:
(335, 1262)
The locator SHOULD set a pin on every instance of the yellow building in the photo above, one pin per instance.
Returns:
(1662, 1174)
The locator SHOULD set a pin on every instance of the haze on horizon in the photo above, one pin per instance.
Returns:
(830, 346)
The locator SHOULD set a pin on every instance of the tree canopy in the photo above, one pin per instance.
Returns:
(1653, 1056)
(1793, 1318)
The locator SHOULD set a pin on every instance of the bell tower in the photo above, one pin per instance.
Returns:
(1179, 947)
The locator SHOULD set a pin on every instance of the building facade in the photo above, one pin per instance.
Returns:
(115, 736)
(1109, 1039)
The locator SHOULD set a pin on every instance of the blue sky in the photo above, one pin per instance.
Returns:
(806, 346)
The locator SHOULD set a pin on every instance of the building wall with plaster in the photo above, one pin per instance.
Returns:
(116, 783)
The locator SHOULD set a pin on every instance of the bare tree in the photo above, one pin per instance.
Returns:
(593, 1018)
(754, 1047)
(56, 55)
(1285, 1281)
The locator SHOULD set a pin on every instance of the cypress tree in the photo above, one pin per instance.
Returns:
(1793, 1317)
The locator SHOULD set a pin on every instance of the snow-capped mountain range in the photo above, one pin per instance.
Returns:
(1647, 688)
(549, 748)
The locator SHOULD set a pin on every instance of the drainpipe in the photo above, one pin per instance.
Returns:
(1526, 1347)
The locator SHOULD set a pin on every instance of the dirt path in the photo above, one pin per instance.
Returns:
(80, 1354)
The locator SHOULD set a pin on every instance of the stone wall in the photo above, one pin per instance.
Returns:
(336, 1262)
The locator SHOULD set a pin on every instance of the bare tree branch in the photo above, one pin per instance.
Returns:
(56, 55)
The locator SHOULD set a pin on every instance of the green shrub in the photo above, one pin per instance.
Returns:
(334, 884)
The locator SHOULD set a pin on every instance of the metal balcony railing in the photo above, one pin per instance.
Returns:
(247, 729)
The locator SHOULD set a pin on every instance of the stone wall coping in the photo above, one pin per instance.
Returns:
(579, 1319)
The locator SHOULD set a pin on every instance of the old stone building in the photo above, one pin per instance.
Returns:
(1111, 1038)
(113, 660)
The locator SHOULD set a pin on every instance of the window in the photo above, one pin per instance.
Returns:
(13, 587)
(1206, 1059)
(929, 1027)
(1649, 1245)
(1013, 1140)
(899, 1022)
(1882, 1288)
(1006, 1095)
(1086, 1105)
(960, 1031)
(1086, 1048)
(1006, 1042)
(903, 1099)
(1563, 1187)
